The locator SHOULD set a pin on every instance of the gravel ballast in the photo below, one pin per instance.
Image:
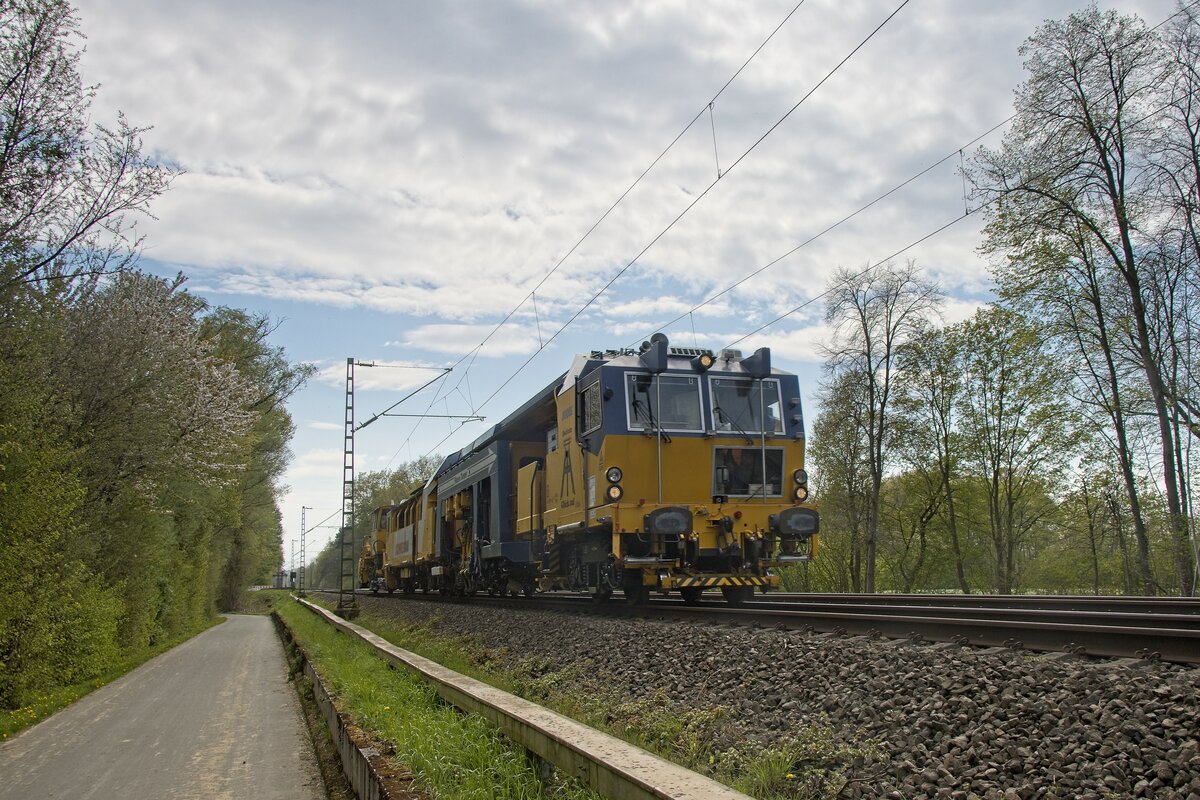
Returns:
(954, 722)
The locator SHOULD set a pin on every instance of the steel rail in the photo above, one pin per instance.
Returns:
(1051, 633)
(1114, 603)
(982, 614)
(1171, 637)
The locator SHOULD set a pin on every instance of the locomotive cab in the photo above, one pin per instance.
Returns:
(675, 469)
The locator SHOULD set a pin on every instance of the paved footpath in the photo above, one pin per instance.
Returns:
(212, 718)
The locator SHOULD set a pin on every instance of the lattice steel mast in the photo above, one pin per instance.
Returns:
(347, 606)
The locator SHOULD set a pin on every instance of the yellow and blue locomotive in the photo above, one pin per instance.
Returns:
(660, 469)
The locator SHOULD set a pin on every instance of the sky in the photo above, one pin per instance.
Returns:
(391, 181)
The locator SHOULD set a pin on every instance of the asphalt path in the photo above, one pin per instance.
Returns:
(213, 718)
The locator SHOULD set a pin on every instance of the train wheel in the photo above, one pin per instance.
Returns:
(737, 595)
(691, 594)
(529, 589)
(601, 596)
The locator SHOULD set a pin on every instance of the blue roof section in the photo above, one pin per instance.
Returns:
(447, 464)
(498, 430)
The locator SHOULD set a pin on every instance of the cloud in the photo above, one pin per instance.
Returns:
(444, 168)
(380, 375)
(508, 340)
(322, 462)
(323, 426)
(956, 310)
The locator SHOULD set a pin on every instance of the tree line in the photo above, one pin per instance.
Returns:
(142, 431)
(1048, 443)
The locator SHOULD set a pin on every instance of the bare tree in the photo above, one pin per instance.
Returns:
(1077, 176)
(874, 313)
(1014, 421)
(68, 191)
(1176, 298)
(837, 452)
(931, 398)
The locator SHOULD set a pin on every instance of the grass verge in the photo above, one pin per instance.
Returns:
(260, 601)
(814, 765)
(449, 754)
(45, 704)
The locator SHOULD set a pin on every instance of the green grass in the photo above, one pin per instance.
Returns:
(260, 601)
(41, 706)
(450, 754)
(812, 766)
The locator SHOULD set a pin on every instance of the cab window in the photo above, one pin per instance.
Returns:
(739, 405)
(590, 409)
(669, 402)
(738, 471)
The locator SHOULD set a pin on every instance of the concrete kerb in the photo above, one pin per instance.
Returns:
(361, 765)
(615, 768)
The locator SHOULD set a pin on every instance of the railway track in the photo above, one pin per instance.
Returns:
(1114, 603)
(1165, 629)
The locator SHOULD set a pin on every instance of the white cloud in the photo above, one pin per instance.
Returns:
(323, 426)
(322, 462)
(956, 310)
(380, 375)
(442, 169)
(509, 339)
(796, 342)
(437, 161)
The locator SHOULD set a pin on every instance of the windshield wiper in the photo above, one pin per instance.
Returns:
(638, 410)
(723, 417)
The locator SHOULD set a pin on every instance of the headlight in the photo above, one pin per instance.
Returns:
(615, 492)
(801, 494)
(614, 474)
(800, 476)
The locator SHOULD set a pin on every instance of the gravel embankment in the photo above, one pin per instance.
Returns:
(954, 722)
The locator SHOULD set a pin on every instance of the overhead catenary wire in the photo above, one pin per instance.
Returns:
(859, 274)
(444, 372)
(700, 113)
(706, 107)
(827, 229)
(684, 212)
(695, 201)
(966, 213)
(322, 522)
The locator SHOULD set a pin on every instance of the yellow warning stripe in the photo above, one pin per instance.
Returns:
(708, 582)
